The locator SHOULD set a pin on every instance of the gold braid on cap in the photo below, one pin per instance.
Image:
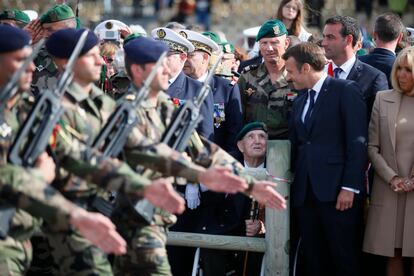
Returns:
(202, 47)
(174, 46)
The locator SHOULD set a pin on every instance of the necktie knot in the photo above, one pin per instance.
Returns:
(337, 72)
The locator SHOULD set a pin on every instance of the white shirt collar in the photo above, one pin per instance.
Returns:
(172, 80)
(261, 166)
(203, 77)
(346, 67)
(318, 85)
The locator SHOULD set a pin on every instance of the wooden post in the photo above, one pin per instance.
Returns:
(277, 222)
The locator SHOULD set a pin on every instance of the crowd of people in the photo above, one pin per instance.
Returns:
(343, 105)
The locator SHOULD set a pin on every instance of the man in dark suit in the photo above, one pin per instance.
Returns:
(328, 132)
(388, 32)
(340, 35)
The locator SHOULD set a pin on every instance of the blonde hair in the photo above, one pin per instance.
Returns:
(108, 49)
(406, 55)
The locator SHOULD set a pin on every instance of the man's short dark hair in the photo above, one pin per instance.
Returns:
(350, 26)
(306, 52)
(388, 27)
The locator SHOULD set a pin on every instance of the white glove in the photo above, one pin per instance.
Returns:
(192, 196)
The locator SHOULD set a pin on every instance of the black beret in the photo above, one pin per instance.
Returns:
(249, 127)
(12, 38)
(62, 43)
(142, 50)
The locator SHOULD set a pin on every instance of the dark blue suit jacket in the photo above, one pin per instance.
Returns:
(333, 152)
(382, 59)
(186, 88)
(226, 96)
(370, 79)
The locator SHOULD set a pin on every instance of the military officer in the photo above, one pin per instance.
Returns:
(27, 189)
(146, 254)
(14, 17)
(265, 93)
(56, 18)
(182, 87)
(86, 110)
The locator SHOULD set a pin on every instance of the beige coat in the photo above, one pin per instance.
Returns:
(380, 230)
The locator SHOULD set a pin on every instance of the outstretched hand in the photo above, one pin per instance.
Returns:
(162, 194)
(221, 179)
(264, 193)
(99, 230)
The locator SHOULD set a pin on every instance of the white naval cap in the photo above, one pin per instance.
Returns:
(200, 41)
(175, 41)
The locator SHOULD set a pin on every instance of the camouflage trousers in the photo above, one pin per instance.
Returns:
(146, 255)
(70, 254)
(15, 256)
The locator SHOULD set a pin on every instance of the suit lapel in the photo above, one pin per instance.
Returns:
(393, 101)
(355, 71)
(319, 103)
(176, 89)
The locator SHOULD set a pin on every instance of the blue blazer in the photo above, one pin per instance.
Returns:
(186, 88)
(382, 59)
(370, 79)
(228, 110)
(333, 152)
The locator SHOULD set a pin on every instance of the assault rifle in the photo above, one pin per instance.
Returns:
(188, 116)
(7, 211)
(114, 134)
(33, 136)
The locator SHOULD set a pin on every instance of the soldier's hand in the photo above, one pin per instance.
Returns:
(46, 165)
(125, 31)
(221, 179)
(34, 29)
(99, 230)
(264, 193)
(162, 194)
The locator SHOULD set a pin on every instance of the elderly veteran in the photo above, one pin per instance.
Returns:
(265, 93)
(14, 17)
(180, 86)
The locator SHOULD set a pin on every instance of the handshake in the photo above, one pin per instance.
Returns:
(402, 184)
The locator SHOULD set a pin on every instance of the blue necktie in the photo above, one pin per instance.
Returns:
(311, 94)
(337, 71)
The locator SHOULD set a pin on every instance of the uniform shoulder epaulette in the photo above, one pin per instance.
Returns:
(250, 67)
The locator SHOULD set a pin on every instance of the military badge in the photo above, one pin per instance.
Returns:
(5, 130)
(183, 34)
(219, 115)
(177, 102)
(40, 68)
(161, 33)
(276, 30)
(291, 96)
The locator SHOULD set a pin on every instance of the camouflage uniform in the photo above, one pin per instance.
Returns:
(46, 74)
(265, 101)
(83, 118)
(25, 190)
(146, 242)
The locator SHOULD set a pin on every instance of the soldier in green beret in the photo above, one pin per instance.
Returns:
(56, 18)
(14, 17)
(264, 90)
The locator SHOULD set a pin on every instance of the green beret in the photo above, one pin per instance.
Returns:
(249, 127)
(272, 28)
(227, 47)
(16, 15)
(131, 37)
(213, 36)
(57, 13)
